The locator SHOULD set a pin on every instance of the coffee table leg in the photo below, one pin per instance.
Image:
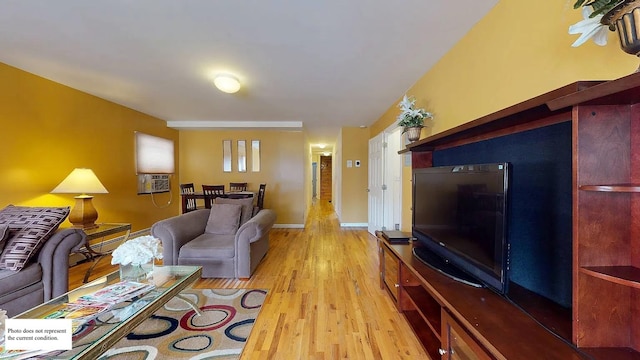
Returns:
(191, 303)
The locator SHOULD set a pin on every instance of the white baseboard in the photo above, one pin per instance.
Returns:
(107, 245)
(288, 226)
(354, 225)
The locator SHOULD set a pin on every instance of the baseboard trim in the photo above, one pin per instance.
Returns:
(288, 226)
(354, 225)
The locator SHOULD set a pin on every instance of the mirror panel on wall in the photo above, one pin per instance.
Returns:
(242, 156)
(226, 155)
(255, 155)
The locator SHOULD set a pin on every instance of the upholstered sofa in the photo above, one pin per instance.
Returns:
(217, 239)
(34, 263)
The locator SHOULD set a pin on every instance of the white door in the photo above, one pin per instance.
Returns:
(392, 196)
(376, 177)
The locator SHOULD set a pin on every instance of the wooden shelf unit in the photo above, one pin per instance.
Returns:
(605, 118)
(486, 322)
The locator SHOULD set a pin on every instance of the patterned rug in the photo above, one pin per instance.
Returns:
(177, 332)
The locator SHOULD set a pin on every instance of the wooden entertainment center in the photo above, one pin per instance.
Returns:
(480, 324)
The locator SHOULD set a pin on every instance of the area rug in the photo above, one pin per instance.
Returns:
(177, 332)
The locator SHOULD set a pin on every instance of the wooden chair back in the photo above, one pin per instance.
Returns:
(237, 186)
(261, 192)
(187, 192)
(211, 192)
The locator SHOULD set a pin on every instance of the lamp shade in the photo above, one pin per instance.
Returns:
(227, 83)
(80, 181)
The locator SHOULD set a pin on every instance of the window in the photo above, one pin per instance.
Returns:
(154, 155)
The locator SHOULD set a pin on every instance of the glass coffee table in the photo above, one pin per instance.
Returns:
(100, 334)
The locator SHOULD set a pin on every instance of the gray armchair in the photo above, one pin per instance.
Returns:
(42, 279)
(185, 242)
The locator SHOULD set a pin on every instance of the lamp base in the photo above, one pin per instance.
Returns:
(83, 215)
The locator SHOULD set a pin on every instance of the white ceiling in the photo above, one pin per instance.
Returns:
(317, 64)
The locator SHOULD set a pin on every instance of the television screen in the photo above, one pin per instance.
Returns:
(459, 216)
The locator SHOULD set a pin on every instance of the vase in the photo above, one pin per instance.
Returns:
(138, 272)
(413, 133)
(625, 18)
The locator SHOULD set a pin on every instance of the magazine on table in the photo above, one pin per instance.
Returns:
(19, 354)
(89, 306)
(119, 292)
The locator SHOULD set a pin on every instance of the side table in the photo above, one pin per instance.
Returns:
(103, 230)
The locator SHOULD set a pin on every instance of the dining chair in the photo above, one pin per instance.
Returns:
(187, 192)
(261, 191)
(237, 186)
(211, 192)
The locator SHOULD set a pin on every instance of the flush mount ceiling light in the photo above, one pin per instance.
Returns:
(227, 83)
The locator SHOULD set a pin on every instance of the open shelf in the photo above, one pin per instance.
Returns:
(428, 308)
(628, 188)
(429, 340)
(623, 275)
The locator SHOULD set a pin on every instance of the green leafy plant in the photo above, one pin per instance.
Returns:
(411, 117)
(600, 7)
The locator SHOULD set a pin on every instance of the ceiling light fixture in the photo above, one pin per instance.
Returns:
(227, 83)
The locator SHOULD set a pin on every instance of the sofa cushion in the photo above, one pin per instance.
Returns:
(247, 207)
(11, 281)
(4, 234)
(30, 228)
(224, 219)
(209, 246)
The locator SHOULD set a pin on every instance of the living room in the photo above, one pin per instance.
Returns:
(515, 52)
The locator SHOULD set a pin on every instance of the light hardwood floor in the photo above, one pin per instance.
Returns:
(324, 299)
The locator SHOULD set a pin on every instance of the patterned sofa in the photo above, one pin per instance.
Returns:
(34, 263)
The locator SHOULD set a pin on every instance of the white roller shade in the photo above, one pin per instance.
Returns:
(154, 155)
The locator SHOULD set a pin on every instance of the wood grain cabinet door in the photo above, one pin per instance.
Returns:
(457, 344)
(390, 272)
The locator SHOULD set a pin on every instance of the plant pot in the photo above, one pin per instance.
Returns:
(625, 18)
(413, 133)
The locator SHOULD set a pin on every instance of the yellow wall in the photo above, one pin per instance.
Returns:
(355, 146)
(48, 129)
(514, 53)
(282, 166)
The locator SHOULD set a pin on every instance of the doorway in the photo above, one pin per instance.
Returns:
(314, 179)
(325, 178)
(385, 181)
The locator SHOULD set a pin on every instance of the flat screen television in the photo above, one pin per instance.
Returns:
(459, 220)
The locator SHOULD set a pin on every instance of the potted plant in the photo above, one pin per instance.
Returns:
(136, 257)
(412, 119)
(612, 14)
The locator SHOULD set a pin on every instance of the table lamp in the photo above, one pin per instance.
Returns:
(82, 181)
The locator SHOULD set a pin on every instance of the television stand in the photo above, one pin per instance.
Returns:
(475, 323)
(439, 264)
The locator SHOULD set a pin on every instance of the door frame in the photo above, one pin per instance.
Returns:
(391, 165)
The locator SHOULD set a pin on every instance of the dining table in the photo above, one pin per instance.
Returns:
(228, 195)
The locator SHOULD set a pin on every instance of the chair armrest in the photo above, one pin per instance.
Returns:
(254, 230)
(54, 260)
(257, 226)
(176, 231)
